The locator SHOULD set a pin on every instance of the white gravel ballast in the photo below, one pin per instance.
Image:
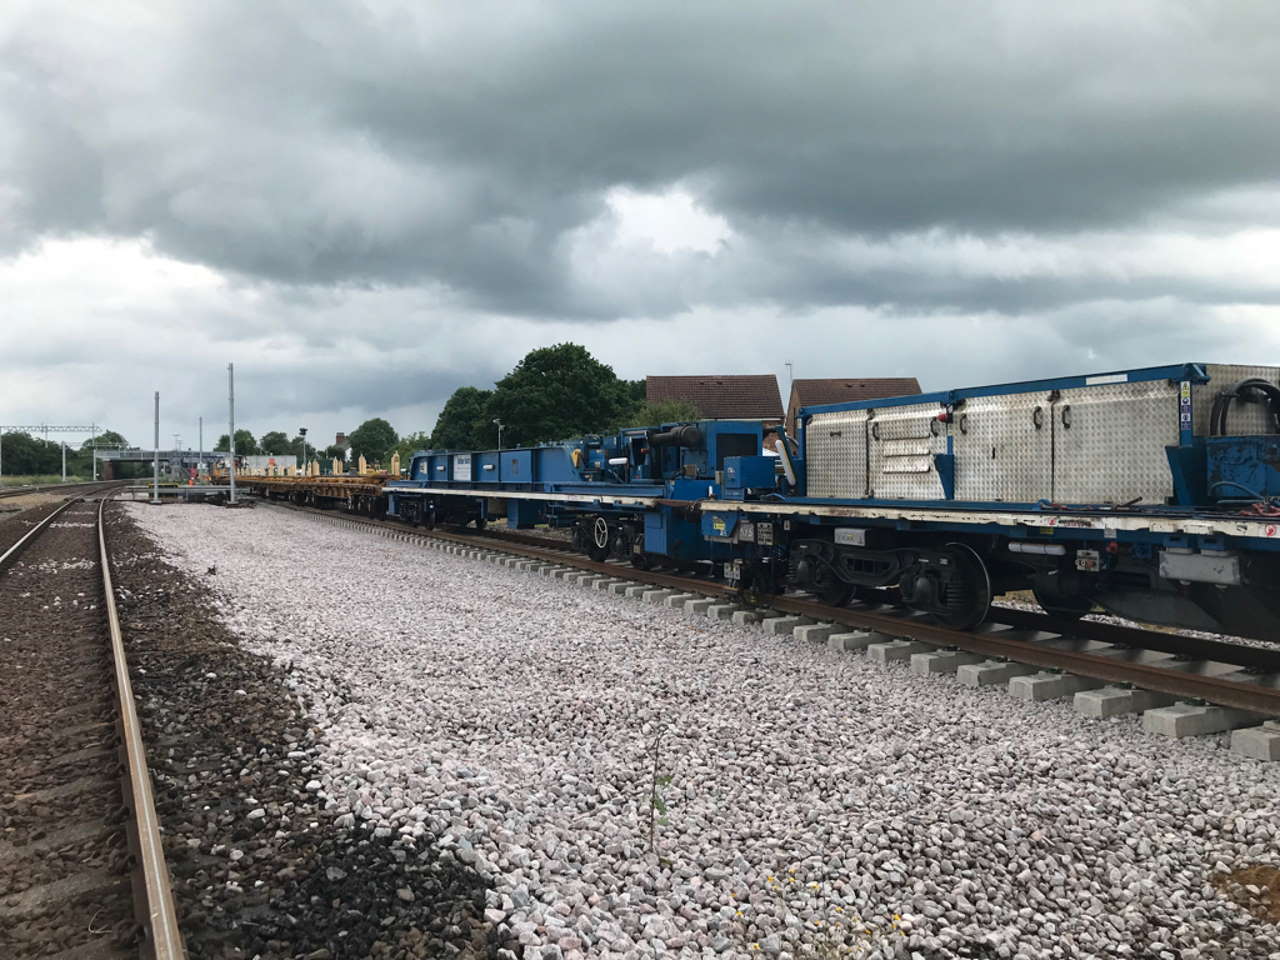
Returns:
(816, 804)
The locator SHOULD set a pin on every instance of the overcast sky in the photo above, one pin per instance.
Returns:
(365, 205)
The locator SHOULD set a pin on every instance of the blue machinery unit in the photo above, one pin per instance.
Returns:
(632, 494)
(1149, 492)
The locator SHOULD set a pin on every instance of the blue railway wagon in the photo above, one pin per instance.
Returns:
(1146, 491)
(631, 495)
(1152, 492)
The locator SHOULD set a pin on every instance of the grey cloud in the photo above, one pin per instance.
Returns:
(465, 146)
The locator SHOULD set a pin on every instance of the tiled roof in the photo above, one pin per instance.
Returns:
(728, 397)
(813, 392)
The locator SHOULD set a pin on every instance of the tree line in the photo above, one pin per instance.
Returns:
(553, 393)
(25, 455)
(375, 439)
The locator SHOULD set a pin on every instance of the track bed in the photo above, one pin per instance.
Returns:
(65, 884)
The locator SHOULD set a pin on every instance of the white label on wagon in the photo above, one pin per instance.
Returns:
(851, 536)
(1109, 378)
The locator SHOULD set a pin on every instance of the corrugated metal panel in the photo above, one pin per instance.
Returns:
(1000, 453)
(1113, 450)
(900, 452)
(836, 447)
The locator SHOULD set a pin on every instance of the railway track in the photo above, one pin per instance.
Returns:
(82, 872)
(1184, 667)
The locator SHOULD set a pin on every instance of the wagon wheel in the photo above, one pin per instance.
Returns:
(600, 542)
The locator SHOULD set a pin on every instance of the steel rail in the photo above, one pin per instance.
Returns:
(1261, 659)
(1176, 682)
(12, 553)
(161, 922)
(1019, 646)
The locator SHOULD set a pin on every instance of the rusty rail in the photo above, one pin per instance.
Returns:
(156, 909)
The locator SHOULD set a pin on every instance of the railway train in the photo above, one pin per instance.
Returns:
(1152, 493)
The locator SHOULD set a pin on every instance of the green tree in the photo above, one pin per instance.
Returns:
(662, 411)
(333, 451)
(558, 392)
(373, 439)
(25, 454)
(275, 442)
(411, 444)
(108, 438)
(464, 423)
(246, 446)
(635, 390)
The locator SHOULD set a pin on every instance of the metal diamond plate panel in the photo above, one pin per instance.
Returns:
(900, 452)
(1245, 419)
(1113, 450)
(836, 446)
(1000, 453)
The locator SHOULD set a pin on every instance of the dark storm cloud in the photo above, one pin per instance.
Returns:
(470, 146)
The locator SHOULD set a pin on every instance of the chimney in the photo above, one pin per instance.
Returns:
(340, 440)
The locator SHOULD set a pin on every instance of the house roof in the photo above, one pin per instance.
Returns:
(812, 392)
(736, 396)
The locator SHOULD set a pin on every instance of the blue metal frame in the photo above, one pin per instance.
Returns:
(1015, 531)
(1192, 372)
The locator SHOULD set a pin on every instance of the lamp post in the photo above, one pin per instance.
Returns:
(155, 467)
(302, 432)
(499, 423)
(231, 427)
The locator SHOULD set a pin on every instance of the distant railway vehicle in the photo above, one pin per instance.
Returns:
(1150, 492)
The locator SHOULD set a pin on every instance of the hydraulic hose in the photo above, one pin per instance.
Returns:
(1218, 416)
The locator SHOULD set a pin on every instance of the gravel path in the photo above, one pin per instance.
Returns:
(818, 805)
